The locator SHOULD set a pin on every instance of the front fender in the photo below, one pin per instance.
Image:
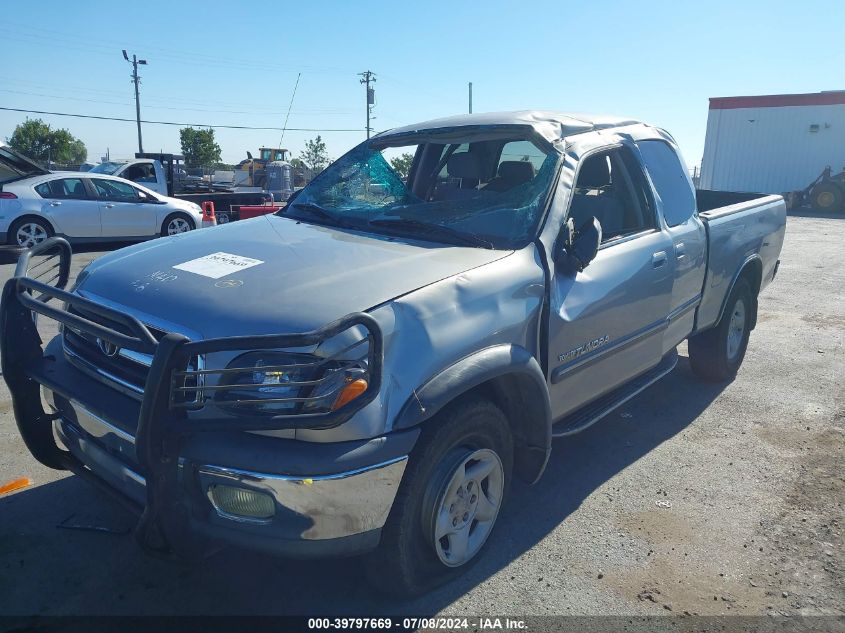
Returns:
(512, 377)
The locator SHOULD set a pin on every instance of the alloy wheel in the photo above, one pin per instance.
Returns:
(736, 330)
(178, 225)
(468, 507)
(30, 234)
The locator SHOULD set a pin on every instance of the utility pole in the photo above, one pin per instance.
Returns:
(367, 78)
(135, 63)
(470, 97)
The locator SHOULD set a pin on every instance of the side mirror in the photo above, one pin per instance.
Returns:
(585, 246)
(579, 247)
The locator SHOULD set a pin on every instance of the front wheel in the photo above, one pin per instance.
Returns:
(450, 497)
(176, 223)
(717, 353)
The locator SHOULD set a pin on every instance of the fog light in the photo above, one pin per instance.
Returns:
(242, 502)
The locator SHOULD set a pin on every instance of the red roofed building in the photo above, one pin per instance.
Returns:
(772, 143)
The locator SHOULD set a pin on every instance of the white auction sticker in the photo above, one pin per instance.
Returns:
(218, 265)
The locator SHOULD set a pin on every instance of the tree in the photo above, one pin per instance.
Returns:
(199, 147)
(315, 155)
(402, 164)
(39, 141)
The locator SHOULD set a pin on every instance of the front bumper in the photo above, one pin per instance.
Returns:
(324, 514)
(161, 461)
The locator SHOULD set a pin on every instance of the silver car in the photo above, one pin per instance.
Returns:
(36, 204)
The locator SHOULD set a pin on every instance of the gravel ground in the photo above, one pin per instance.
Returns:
(693, 498)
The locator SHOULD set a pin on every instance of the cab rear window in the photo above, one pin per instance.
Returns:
(670, 179)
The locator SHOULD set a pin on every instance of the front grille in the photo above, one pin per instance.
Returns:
(125, 368)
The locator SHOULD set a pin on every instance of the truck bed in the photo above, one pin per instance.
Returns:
(740, 227)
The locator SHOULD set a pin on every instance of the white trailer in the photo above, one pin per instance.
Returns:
(772, 143)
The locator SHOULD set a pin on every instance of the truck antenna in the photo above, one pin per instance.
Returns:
(290, 105)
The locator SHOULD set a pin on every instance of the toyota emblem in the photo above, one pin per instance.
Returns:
(108, 348)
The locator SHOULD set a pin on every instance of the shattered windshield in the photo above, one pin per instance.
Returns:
(486, 192)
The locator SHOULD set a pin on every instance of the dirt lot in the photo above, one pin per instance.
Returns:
(693, 498)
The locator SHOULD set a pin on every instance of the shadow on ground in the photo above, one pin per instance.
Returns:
(10, 254)
(809, 212)
(45, 569)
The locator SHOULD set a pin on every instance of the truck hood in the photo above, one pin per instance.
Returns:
(308, 275)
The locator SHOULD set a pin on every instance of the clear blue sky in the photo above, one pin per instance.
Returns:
(236, 63)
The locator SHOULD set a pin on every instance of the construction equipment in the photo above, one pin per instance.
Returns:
(826, 193)
(255, 168)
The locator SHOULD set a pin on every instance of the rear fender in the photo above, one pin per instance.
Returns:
(751, 269)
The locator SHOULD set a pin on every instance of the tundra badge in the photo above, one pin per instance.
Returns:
(583, 349)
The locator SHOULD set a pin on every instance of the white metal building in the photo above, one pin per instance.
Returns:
(772, 143)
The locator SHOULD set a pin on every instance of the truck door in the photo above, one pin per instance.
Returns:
(125, 211)
(675, 198)
(146, 172)
(606, 322)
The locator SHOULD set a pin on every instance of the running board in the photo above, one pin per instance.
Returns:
(591, 413)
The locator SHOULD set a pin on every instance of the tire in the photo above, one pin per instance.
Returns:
(35, 227)
(716, 354)
(827, 197)
(471, 434)
(173, 222)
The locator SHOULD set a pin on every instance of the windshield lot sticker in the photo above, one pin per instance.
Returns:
(218, 265)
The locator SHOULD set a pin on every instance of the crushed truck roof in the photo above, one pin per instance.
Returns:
(548, 124)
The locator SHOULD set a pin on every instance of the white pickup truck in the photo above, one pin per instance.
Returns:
(164, 174)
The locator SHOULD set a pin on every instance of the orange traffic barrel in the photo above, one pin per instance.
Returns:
(208, 217)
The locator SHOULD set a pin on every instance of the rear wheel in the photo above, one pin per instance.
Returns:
(717, 353)
(176, 223)
(450, 497)
(29, 231)
(827, 197)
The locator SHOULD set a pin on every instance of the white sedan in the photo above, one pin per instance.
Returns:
(84, 207)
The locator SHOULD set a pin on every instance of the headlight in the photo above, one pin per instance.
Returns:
(274, 383)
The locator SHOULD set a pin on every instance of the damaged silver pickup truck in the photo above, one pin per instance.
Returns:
(368, 369)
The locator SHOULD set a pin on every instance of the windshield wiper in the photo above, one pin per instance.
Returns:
(316, 210)
(432, 230)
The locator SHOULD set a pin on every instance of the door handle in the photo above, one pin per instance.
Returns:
(680, 250)
(658, 259)
(55, 203)
(109, 206)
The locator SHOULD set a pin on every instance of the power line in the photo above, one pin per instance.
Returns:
(206, 125)
(147, 104)
(106, 46)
